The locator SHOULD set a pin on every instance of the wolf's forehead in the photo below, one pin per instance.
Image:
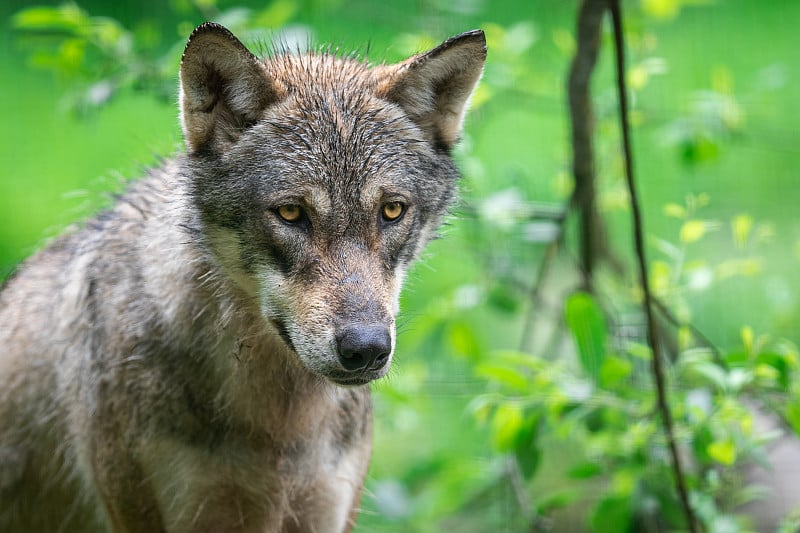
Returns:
(332, 135)
(321, 150)
(320, 71)
(332, 139)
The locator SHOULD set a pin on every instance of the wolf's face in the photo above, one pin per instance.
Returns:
(319, 180)
(327, 203)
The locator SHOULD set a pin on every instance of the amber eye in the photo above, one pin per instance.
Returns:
(290, 213)
(392, 211)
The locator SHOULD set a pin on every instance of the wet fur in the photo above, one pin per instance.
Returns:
(172, 365)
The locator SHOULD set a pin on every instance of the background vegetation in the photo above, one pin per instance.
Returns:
(519, 400)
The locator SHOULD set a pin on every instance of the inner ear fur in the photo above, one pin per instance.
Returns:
(223, 88)
(434, 87)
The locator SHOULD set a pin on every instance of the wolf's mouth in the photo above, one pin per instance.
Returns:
(350, 381)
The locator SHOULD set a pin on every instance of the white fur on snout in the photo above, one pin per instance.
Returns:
(308, 319)
(316, 346)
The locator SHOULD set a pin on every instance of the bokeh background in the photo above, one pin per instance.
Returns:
(519, 401)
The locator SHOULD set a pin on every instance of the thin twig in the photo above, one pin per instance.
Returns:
(667, 313)
(536, 297)
(535, 521)
(652, 332)
(520, 490)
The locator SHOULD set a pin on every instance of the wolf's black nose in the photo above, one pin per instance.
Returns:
(364, 347)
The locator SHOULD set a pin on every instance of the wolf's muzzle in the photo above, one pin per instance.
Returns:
(363, 347)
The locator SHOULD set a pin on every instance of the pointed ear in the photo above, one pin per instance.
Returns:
(224, 88)
(434, 87)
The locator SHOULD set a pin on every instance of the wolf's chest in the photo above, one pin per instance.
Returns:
(235, 488)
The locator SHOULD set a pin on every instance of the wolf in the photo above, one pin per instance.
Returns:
(197, 357)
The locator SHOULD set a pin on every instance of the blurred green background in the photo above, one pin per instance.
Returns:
(464, 443)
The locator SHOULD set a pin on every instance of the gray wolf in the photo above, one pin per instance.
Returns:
(197, 357)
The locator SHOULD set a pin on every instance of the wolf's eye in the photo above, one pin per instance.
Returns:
(392, 211)
(290, 213)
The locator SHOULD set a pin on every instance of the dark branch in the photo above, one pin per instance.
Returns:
(638, 231)
(584, 197)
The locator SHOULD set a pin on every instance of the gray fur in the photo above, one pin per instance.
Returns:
(176, 364)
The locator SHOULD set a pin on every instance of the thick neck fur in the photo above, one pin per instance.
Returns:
(256, 381)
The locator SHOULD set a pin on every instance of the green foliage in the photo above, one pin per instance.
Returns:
(96, 53)
(101, 57)
(620, 439)
(604, 404)
(588, 326)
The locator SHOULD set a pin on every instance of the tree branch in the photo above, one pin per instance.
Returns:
(584, 197)
(638, 231)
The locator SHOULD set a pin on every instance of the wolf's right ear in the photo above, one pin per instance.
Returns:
(434, 87)
(224, 88)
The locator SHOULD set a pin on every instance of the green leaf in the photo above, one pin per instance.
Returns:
(738, 358)
(585, 470)
(662, 9)
(747, 338)
(67, 17)
(557, 500)
(480, 407)
(693, 231)
(674, 210)
(640, 351)
(700, 442)
(767, 373)
(699, 148)
(722, 451)
(464, 340)
(504, 375)
(588, 327)
(660, 277)
(612, 515)
(506, 424)
(502, 298)
(793, 415)
(778, 363)
(699, 363)
(712, 373)
(741, 227)
(515, 430)
(614, 371)
(527, 448)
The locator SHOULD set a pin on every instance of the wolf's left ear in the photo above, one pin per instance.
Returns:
(434, 87)
(224, 88)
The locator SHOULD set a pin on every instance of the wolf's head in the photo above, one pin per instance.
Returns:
(319, 179)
